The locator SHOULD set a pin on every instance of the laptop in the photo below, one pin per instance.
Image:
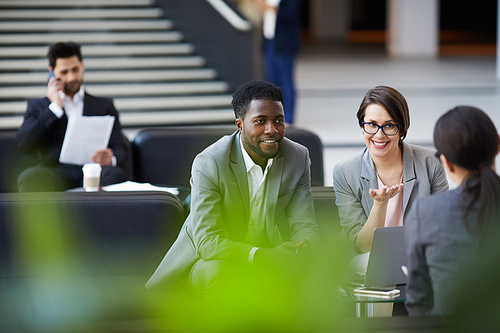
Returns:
(387, 255)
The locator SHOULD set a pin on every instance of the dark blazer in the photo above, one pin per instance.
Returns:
(43, 132)
(218, 222)
(288, 23)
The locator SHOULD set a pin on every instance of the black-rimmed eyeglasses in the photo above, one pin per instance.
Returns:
(388, 129)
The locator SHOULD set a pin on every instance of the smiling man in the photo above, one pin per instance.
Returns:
(251, 204)
(45, 122)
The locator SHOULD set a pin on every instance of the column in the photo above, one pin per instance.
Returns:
(413, 28)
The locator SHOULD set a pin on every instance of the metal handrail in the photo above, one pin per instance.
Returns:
(230, 15)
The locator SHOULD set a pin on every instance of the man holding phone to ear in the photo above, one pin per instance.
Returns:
(45, 123)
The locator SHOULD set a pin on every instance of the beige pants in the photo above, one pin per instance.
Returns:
(359, 263)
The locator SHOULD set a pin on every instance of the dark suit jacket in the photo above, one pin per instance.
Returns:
(218, 222)
(288, 22)
(42, 132)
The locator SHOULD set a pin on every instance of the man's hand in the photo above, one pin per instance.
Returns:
(282, 257)
(103, 157)
(54, 86)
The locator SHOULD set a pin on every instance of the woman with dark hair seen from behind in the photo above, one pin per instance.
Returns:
(444, 233)
(377, 187)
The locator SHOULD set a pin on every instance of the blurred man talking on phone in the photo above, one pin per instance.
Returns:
(45, 123)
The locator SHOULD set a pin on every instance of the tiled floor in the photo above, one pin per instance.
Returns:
(332, 80)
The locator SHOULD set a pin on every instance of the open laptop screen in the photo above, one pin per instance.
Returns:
(387, 255)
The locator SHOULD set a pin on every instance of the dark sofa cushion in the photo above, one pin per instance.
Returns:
(163, 156)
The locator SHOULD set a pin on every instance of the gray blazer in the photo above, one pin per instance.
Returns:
(217, 224)
(440, 252)
(423, 174)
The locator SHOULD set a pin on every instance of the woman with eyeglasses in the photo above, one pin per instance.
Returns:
(376, 187)
(444, 233)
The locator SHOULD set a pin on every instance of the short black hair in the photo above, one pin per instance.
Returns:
(254, 90)
(63, 50)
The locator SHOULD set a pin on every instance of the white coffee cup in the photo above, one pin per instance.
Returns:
(91, 177)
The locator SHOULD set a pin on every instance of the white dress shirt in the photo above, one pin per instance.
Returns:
(256, 177)
(72, 106)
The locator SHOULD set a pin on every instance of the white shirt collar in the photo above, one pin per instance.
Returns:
(249, 163)
(78, 97)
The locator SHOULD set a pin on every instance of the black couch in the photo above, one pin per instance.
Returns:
(71, 260)
(101, 233)
(165, 155)
(160, 156)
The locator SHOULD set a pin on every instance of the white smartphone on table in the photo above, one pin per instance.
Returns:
(376, 291)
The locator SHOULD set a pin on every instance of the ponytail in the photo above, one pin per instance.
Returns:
(482, 188)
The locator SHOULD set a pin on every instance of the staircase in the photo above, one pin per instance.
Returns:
(131, 53)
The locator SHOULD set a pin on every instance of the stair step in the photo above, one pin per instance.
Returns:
(74, 3)
(11, 122)
(129, 56)
(145, 118)
(110, 63)
(162, 103)
(150, 103)
(176, 117)
(117, 76)
(27, 14)
(102, 50)
(85, 25)
(124, 89)
(12, 107)
(97, 37)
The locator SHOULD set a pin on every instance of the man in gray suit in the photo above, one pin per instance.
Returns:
(251, 203)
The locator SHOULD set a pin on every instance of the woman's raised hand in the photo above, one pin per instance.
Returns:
(385, 193)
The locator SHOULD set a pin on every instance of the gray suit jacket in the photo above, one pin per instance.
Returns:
(217, 224)
(440, 252)
(423, 174)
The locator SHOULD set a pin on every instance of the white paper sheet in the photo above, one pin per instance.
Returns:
(133, 186)
(84, 136)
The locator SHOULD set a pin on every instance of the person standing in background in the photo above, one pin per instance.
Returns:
(281, 29)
